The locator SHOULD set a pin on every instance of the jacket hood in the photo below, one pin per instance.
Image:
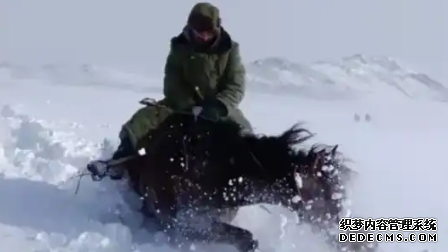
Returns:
(204, 14)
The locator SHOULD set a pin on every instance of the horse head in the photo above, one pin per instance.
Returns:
(321, 177)
(310, 182)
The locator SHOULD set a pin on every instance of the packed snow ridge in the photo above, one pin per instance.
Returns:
(354, 77)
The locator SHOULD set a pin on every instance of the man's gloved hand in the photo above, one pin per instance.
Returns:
(213, 109)
(98, 169)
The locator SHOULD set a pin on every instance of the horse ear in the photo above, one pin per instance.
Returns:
(333, 151)
(319, 155)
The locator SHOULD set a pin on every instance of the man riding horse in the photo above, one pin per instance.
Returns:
(203, 69)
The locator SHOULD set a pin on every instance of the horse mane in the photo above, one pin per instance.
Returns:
(275, 154)
(295, 135)
(331, 175)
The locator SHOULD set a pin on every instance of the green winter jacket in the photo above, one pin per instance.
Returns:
(191, 75)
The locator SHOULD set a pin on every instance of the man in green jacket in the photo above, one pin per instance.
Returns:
(203, 68)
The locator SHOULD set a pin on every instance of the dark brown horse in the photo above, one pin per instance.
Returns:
(195, 172)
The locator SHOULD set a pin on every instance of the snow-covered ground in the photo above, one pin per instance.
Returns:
(50, 128)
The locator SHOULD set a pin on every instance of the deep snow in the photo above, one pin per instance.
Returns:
(48, 132)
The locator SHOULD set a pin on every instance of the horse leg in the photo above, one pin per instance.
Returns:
(158, 204)
(148, 207)
(241, 238)
(220, 232)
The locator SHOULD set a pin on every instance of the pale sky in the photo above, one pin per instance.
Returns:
(136, 33)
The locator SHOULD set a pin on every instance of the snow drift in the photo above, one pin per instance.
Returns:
(37, 184)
